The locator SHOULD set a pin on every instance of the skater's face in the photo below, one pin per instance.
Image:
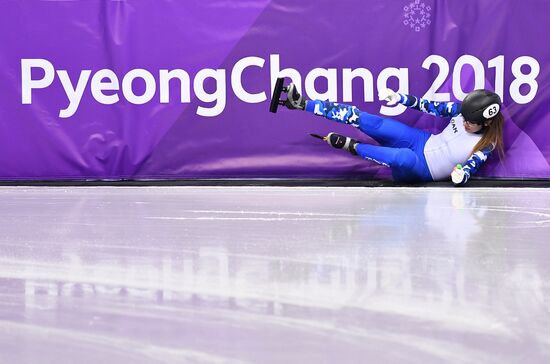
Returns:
(472, 127)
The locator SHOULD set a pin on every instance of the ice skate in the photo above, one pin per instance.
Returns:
(293, 101)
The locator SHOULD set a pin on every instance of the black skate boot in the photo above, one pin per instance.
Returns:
(294, 100)
(339, 141)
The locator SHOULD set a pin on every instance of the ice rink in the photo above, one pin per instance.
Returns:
(274, 275)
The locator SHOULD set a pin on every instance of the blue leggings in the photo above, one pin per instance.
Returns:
(401, 146)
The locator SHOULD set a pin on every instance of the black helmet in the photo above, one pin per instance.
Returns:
(479, 106)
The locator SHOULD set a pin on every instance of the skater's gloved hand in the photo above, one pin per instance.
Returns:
(458, 175)
(388, 95)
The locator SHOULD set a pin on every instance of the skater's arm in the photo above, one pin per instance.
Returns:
(443, 109)
(461, 174)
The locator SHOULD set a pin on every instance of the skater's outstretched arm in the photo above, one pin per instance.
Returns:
(443, 109)
(461, 174)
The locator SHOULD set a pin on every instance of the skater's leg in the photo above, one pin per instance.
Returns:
(387, 132)
(392, 133)
(341, 113)
(405, 164)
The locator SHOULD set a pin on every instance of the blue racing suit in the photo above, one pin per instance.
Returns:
(412, 154)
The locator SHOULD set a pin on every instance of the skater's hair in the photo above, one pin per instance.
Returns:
(492, 136)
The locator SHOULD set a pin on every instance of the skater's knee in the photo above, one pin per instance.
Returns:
(369, 121)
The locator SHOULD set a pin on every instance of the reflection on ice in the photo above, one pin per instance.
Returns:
(338, 273)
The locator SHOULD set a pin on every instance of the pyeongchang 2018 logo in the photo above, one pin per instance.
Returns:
(417, 15)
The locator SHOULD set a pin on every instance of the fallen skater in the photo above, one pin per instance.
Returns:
(414, 155)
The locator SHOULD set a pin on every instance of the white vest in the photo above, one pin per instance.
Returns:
(445, 150)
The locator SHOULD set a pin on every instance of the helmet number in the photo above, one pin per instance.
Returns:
(491, 111)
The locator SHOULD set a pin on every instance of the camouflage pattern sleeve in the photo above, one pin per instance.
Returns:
(340, 113)
(443, 109)
(475, 162)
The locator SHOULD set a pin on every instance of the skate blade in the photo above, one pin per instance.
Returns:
(275, 98)
(318, 136)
